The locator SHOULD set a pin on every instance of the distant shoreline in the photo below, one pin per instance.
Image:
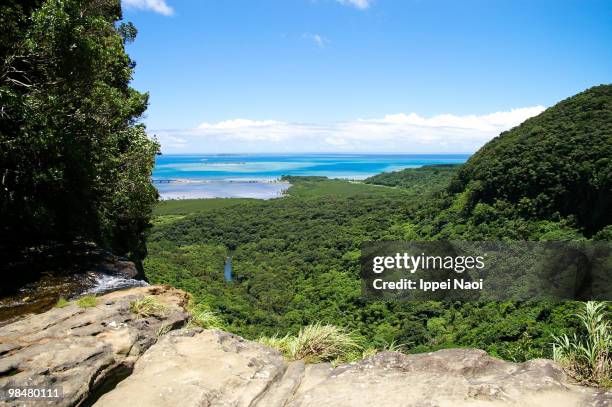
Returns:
(211, 181)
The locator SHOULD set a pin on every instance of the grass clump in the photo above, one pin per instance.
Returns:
(61, 303)
(203, 317)
(87, 301)
(588, 358)
(148, 306)
(280, 343)
(318, 343)
(164, 329)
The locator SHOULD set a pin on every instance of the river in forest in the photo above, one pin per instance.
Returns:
(227, 269)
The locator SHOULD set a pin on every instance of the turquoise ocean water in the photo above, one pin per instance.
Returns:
(257, 175)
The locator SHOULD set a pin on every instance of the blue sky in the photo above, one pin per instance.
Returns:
(359, 75)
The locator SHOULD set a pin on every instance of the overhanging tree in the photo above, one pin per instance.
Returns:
(75, 164)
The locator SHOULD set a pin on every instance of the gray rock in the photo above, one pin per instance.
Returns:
(213, 368)
(452, 377)
(110, 264)
(83, 349)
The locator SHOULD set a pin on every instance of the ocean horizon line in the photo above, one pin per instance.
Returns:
(318, 153)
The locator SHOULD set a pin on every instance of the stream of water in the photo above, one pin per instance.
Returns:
(227, 269)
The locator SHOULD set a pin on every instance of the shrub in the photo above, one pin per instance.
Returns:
(588, 358)
(318, 343)
(87, 301)
(280, 343)
(148, 306)
(202, 316)
(520, 350)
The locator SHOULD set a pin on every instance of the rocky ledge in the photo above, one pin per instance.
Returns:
(84, 350)
(108, 356)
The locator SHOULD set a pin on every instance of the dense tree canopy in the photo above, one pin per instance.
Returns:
(421, 180)
(548, 179)
(555, 165)
(296, 262)
(74, 163)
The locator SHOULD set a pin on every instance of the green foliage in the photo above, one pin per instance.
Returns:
(604, 234)
(148, 306)
(280, 343)
(309, 187)
(548, 179)
(74, 164)
(286, 255)
(188, 206)
(555, 165)
(203, 317)
(522, 349)
(418, 181)
(588, 358)
(61, 303)
(87, 301)
(296, 263)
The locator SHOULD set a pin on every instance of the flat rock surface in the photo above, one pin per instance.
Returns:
(207, 368)
(213, 368)
(83, 349)
(447, 378)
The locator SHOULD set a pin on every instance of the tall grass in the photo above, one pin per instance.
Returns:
(317, 343)
(202, 316)
(87, 301)
(148, 306)
(61, 303)
(588, 358)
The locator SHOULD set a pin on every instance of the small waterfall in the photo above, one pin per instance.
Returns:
(105, 283)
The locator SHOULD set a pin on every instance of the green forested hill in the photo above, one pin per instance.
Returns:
(548, 179)
(420, 180)
(555, 165)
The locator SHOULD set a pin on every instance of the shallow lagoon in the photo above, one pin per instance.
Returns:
(257, 175)
(221, 189)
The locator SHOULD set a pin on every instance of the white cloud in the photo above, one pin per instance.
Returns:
(319, 40)
(173, 142)
(158, 6)
(406, 133)
(360, 4)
